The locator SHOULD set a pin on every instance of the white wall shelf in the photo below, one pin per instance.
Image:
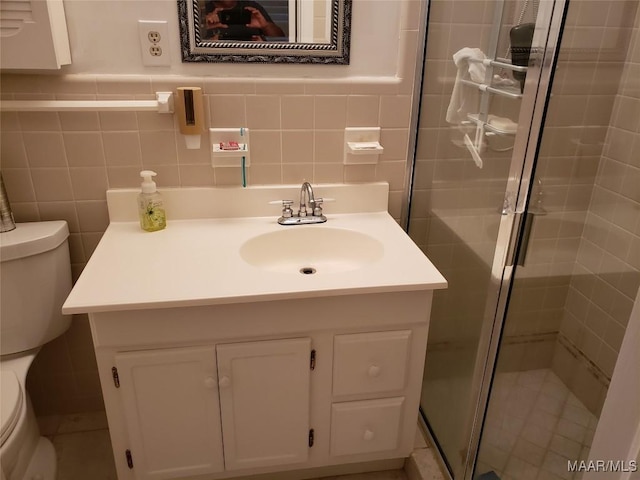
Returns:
(362, 145)
(230, 158)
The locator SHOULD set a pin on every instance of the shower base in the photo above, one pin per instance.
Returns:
(534, 427)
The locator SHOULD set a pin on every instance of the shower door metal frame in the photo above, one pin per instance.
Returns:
(546, 41)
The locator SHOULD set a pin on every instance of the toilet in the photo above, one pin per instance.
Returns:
(35, 279)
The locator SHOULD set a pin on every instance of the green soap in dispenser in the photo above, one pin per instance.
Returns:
(150, 207)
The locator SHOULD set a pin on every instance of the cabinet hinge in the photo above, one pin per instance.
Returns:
(312, 363)
(116, 378)
(129, 458)
(311, 434)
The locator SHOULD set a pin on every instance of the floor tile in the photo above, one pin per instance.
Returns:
(85, 455)
(558, 427)
(83, 422)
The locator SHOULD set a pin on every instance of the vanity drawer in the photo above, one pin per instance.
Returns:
(365, 426)
(370, 362)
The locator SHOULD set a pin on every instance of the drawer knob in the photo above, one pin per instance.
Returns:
(368, 435)
(209, 382)
(374, 371)
(224, 381)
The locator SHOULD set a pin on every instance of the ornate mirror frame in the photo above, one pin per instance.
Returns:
(335, 52)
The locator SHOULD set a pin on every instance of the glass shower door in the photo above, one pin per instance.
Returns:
(465, 184)
(577, 267)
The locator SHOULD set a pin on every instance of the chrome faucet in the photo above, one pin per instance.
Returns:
(306, 197)
(310, 210)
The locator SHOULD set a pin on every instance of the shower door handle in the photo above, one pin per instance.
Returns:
(519, 241)
(513, 238)
(526, 235)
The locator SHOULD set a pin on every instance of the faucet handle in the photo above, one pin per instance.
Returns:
(287, 212)
(317, 209)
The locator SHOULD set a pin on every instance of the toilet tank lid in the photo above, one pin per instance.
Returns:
(32, 238)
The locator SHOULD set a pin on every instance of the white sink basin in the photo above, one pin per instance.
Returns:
(312, 250)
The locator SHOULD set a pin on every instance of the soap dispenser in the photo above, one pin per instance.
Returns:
(150, 207)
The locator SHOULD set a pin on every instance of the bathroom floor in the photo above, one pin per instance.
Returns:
(84, 449)
(535, 425)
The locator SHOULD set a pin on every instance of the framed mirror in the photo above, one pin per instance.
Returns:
(265, 31)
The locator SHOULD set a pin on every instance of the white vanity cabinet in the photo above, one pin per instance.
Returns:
(220, 364)
(322, 386)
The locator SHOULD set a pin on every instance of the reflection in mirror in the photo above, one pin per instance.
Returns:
(245, 20)
(265, 31)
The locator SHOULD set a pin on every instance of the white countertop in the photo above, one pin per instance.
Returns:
(196, 262)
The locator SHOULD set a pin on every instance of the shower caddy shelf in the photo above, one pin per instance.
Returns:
(510, 92)
(480, 119)
(488, 126)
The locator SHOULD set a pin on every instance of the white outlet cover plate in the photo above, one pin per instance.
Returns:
(162, 28)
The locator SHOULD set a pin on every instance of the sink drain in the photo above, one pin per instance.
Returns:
(307, 270)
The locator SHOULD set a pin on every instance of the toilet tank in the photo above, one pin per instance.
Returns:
(35, 279)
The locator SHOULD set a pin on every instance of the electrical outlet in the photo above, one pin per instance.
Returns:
(154, 43)
(154, 37)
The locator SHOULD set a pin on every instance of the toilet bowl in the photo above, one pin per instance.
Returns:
(36, 278)
(24, 454)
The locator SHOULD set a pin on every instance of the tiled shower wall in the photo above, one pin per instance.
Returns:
(59, 165)
(590, 65)
(607, 271)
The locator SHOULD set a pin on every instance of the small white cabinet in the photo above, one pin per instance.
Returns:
(172, 412)
(264, 399)
(34, 35)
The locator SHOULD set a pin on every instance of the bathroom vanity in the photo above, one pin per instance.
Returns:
(230, 345)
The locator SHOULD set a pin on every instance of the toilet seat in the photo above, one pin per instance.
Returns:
(11, 403)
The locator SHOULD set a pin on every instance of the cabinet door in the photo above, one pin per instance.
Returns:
(264, 398)
(34, 35)
(170, 400)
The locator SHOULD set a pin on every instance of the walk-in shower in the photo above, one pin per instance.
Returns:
(528, 201)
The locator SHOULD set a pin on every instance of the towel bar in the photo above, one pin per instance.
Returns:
(162, 104)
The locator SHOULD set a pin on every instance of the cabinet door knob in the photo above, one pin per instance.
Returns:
(368, 435)
(374, 370)
(209, 382)
(224, 381)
